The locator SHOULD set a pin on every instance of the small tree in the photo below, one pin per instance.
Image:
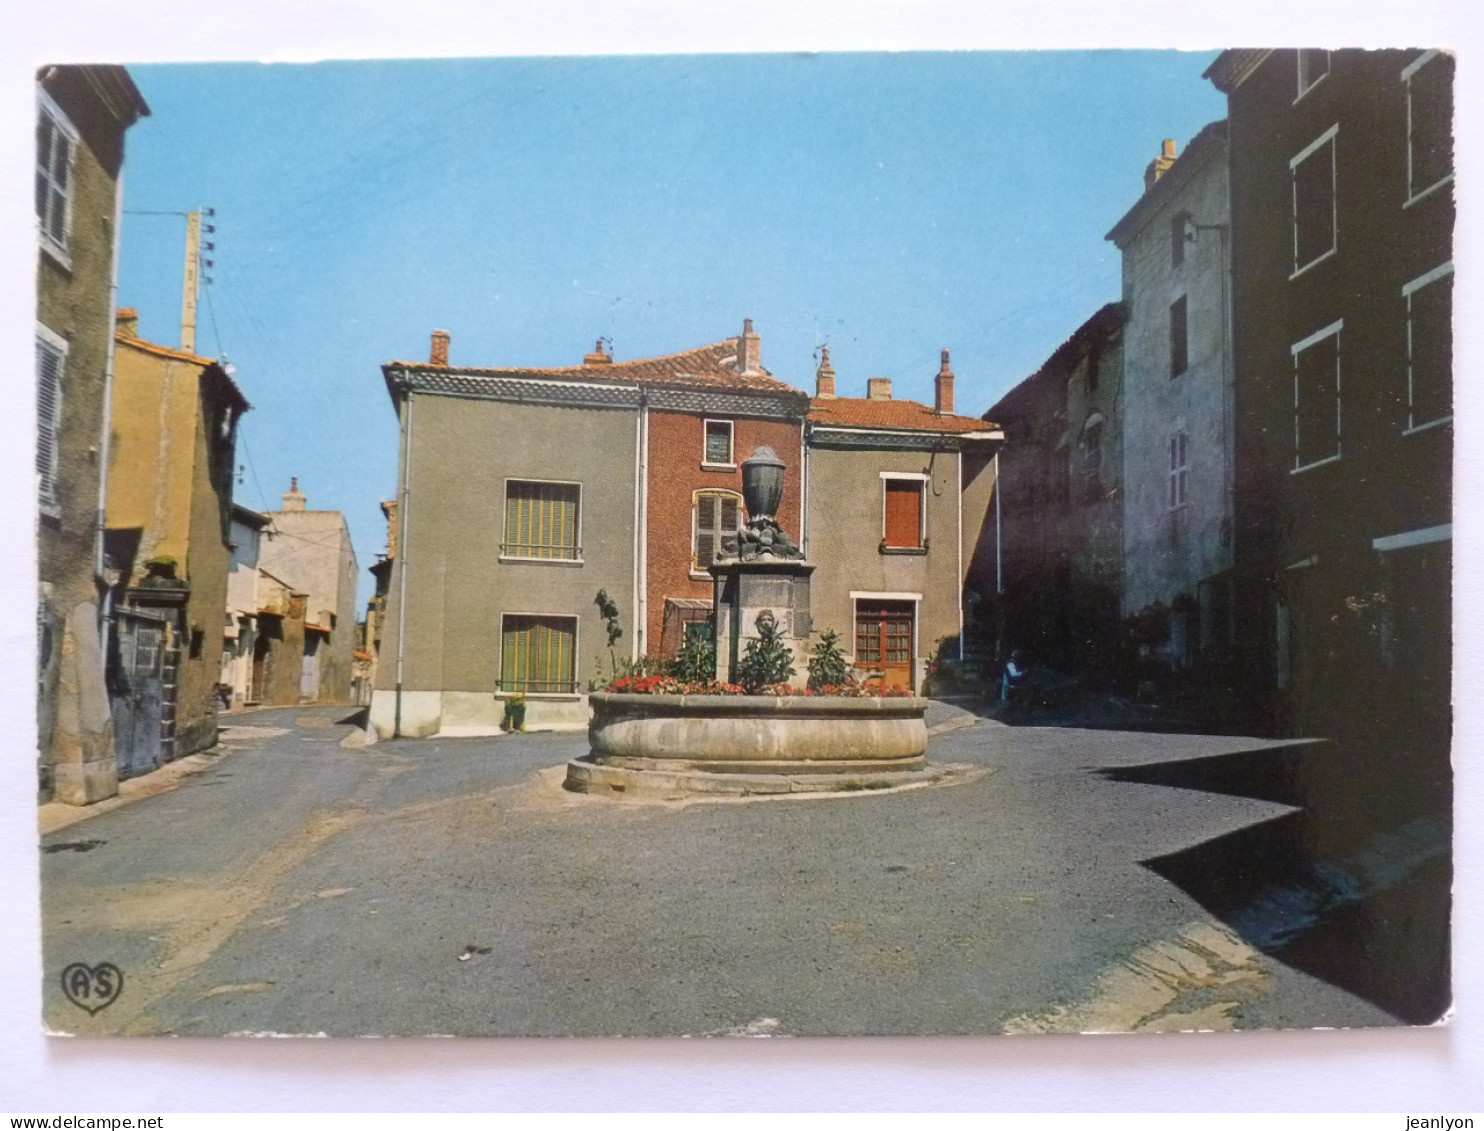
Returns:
(608, 609)
(768, 660)
(697, 659)
(828, 664)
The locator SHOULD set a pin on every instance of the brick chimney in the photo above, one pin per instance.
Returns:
(943, 387)
(749, 348)
(126, 321)
(438, 355)
(293, 498)
(824, 376)
(597, 357)
(878, 388)
(1161, 164)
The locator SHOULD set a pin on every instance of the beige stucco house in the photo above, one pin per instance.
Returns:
(897, 493)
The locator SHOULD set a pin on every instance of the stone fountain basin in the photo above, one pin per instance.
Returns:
(757, 733)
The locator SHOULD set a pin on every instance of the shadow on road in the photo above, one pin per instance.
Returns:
(1353, 888)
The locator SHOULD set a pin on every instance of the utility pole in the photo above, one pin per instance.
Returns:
(192, 280)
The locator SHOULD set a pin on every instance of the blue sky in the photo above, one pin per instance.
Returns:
(885, 205)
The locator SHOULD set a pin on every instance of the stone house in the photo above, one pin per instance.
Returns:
(82, 113)
(311, 552)
(1177, 410)
(240, 626)
(1342, 211)
(504, 537)
(897, 493)
(169, 516)
(1053, 556)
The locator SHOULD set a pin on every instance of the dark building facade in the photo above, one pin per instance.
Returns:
(1052, 555)
(1342, 225)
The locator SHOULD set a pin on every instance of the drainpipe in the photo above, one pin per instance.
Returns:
(999, 576)
(105, 609)
(402, 554)
(804, 491)
(638, 511)
(641, 606)
(961, 577)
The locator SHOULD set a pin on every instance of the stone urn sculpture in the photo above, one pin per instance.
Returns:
(762, 483)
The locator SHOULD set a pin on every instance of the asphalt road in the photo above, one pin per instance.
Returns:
(294, 882)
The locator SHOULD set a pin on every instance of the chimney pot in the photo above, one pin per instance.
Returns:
(943, 387)
(749, 349)
(878, 388)
(293, 498)
(597, 357)
(824, 376)
(438, 355)
(1161, 164)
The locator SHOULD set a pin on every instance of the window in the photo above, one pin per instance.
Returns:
(1179, 470)
(718, 443)
(902, 513)
(1313, 65)
(538, 655)
(541, 520)
(1316, 398)
(1430, 348)
(1179, 341)
(1177, 239)
(1314, 201)
(51, 360)
(716, 519)
(1429, 81)
(56, 150)
(1091, 452)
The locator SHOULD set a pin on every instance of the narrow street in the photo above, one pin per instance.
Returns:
(297, 882)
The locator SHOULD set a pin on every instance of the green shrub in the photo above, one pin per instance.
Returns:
(697, 659)
(768, 659)
(828, 664)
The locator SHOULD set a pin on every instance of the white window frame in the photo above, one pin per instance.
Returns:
(1302, 73)
(1179, 470)
(696, 572)
(49, 502)
(60, 251)
(731, 464)
(1408, 291)
(921, 479)
(522, 559)
(1329, 137)
(1330, 331)
(1414, 194)
(502, 693)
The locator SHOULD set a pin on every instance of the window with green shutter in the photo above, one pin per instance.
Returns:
(541, 520)
(538, 655)
(718, 518)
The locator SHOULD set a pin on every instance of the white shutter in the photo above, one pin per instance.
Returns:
(49, 362)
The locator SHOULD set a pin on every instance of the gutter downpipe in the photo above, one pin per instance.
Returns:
(105, 608)
(641, 604)
(961, 577)
(999, 576)
(402, 555)
(804, 490)
(638, 523)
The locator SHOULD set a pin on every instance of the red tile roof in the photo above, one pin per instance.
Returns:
(703, 367)
(861, 412)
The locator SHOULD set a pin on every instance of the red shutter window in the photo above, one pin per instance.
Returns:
(904, 514)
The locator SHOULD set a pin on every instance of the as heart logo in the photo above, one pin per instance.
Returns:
(92, 987)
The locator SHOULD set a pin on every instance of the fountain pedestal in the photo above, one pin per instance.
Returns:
(746, 590)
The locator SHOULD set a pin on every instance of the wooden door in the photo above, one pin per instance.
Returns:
(884, 631)
(137, 693)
